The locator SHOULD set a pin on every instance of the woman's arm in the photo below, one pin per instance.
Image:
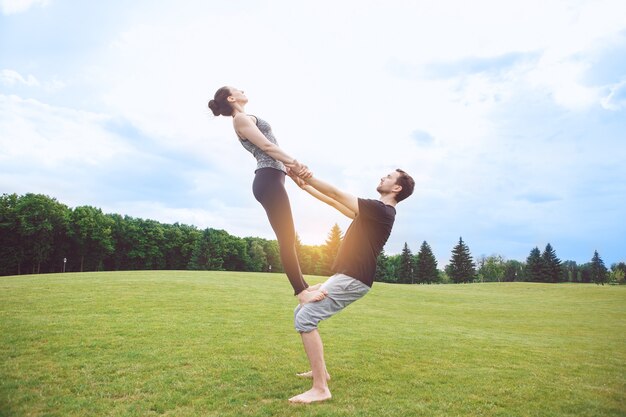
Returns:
(323, 198)
(246, 128)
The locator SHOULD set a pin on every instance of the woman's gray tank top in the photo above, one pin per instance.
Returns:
(263, 159)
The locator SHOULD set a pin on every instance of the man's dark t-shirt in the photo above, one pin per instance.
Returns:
(364, 240)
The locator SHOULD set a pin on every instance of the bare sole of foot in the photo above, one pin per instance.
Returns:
(311, 396)
(309, 375)
(311, 296)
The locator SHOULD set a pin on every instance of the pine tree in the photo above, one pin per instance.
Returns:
(406, 268)
(551, 265)
(426, 266)
(461, 267)
(598, 270)
(330, 248)
(534, 266)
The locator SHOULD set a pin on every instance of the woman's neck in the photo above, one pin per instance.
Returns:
(238, 108)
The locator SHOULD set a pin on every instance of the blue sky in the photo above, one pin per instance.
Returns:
(511, 116)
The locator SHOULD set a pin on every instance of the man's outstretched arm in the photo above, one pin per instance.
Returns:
(348, 201)
(346, 211)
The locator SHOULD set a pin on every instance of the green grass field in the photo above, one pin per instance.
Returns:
(222, 344)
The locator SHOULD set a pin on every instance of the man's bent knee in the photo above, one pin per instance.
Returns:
(305, 323)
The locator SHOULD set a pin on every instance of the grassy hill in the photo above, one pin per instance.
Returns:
(179, 343)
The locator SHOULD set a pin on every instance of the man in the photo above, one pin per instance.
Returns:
(354, 267)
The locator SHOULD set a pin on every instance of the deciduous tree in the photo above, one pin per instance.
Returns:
(90, 231)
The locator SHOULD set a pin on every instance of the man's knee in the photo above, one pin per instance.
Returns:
(304, 322)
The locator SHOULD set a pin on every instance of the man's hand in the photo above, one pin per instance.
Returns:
(299, 181)
(299, 169)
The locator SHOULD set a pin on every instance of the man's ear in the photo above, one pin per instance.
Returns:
(396, 188)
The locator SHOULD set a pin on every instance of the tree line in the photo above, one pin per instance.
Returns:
(38, 234)
(539, 267)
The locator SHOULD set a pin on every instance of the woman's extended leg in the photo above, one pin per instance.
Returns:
(269, 190)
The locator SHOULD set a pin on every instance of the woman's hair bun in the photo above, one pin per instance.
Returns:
(220, 105)
(215, 108)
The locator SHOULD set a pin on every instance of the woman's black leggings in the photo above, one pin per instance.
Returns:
(269, 190)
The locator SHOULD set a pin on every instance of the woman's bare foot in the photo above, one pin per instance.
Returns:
(312, 395)
(309, 375)
(314, 287)
(311, 296)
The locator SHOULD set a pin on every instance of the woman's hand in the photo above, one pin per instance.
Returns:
(299, 169)
(299, 181)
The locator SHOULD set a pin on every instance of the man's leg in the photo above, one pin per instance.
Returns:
(315, 352)
(342, 291)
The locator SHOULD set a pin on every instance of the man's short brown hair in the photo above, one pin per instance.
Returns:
(407, 183)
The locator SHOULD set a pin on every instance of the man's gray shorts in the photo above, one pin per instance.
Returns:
(342, 291)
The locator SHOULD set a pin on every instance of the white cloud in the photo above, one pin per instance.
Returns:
(55, 151)
(616, 99)
(10, 78)
(50, 136)
(18, 6)
(563, 79)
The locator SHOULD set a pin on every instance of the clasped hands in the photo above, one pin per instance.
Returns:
(298, 172)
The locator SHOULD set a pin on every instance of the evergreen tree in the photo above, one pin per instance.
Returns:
(461, 267)
(406, 267)
(534, 266)
(598, 270)
(551, 265)
(426, 266)
(331, 247)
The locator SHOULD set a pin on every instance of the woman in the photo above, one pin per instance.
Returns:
(269, 181)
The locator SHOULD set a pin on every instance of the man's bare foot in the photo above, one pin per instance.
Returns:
(312, 395)
(311, 296)
(309, 375)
